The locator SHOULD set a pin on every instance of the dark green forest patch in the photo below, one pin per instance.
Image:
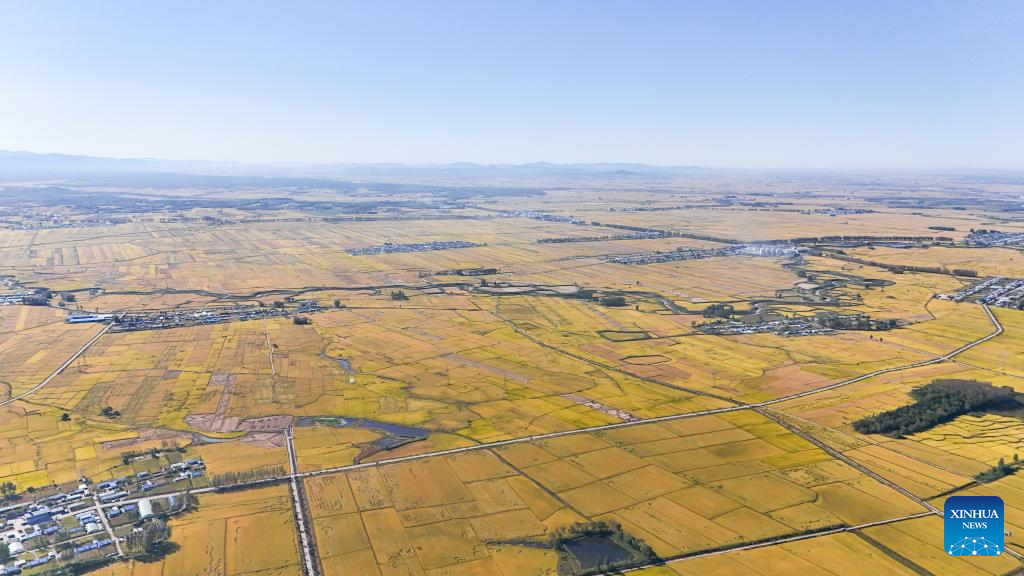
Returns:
(939, 402)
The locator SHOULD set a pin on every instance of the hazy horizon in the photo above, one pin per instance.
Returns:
(739, 85)
(203, 166)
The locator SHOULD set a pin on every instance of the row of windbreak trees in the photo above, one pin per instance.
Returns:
(228, 479)
(901, 268)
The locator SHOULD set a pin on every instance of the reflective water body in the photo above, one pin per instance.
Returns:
(593, 551)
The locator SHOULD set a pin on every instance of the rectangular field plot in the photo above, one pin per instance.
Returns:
(1011, 490)
(437, 514)
(920, 543)
(681, 486)
(838, 555)
(34, 342)
(234, 534)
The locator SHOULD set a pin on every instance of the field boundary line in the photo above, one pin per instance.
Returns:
(58, 370)
(776, 541)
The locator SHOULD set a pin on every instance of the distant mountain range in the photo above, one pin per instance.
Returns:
(93, 171)
(32, 165)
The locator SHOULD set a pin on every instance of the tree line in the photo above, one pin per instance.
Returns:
(250, 475)
(935, 403)
(901, 268)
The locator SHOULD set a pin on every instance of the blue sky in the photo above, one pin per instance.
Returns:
(825, 83)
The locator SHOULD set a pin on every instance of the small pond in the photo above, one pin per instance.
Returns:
(594, 551)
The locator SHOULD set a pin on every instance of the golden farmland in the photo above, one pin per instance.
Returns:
(450, 411)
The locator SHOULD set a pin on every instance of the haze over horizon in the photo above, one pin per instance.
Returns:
(741, 84)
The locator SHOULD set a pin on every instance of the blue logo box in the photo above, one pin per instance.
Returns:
(974, 526)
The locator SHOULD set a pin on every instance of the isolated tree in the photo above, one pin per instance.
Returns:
(65, 417)
(154, 533)
(147, 539)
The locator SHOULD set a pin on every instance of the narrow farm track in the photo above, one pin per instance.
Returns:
(938, 359)
(772, 542)
(106, 525)
(270, 348)
(840, 456)
(63, 367)
(31, 242)
(311, 564)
